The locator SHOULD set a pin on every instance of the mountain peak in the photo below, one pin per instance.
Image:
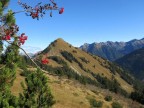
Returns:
(59, 39)
(56, 46)
(58, 42)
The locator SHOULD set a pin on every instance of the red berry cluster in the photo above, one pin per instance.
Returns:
(7, 33)
(22, 39)
(45, 61)
(39, 10)
(8, 37)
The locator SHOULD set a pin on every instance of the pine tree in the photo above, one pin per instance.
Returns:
(8, 60)
(36, 92)
(7, 76)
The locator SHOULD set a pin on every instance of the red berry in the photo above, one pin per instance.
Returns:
(45, 61)
(61, 10)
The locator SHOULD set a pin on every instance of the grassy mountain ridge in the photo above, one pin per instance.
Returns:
(82, 63)
(80, 79)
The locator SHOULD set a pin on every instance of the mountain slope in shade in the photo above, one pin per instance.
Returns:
(113, 50)
(134, 62)
(82, 63)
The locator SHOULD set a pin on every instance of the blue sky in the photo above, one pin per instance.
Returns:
(84, 21)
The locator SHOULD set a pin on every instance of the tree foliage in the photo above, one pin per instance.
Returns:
(36, 92)
(8, 60)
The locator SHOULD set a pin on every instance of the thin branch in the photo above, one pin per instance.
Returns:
(19, 12)
(24, 52)
(2, 67)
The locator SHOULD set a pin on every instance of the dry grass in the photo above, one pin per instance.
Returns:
(16, 88)
(72, 94)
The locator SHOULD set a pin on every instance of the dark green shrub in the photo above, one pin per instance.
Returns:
(58, 60)
(68, 56)
(108, 98)
(25, 73)
(112, 85)
(74, 51)
(95, 104)
(116, 105)
(83, 59)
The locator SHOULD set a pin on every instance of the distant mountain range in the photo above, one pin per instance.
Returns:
(113, 50)
(134, 62)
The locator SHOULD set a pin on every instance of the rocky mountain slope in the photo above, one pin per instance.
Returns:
(113, 50)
